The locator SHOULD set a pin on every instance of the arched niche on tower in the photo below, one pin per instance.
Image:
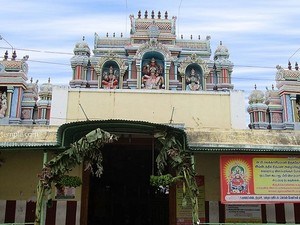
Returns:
(159, 51)
(110, 68)
(152, 75)
(110, 77)
(194, 77)
(186, 66)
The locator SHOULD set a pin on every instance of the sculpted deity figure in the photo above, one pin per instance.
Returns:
(3, 104)
(298, 110)
(110, 80)
(193, 81)
(152, 76)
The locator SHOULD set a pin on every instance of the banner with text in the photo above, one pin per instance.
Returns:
(260, 179)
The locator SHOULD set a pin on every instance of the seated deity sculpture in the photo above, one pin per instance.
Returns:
(193, 81)
(152, 76)
(110, 80)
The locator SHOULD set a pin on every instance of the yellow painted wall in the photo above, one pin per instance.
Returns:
(208, 166)
(18, 175)
(194, 109)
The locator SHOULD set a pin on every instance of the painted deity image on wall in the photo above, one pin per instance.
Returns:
(238, 174)
(152, 76)
(110, 78)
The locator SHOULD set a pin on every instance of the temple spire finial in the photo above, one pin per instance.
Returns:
(6, 55)
(14, 55)
(152, 14)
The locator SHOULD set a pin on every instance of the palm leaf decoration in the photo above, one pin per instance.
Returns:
(87, 149)
(172, 152)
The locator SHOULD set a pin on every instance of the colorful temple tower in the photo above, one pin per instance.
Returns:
(18, 97)
(277, 109)
(151, 58)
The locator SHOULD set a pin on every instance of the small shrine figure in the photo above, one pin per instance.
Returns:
(152, 76)
(110, 80)
(3, 104)
(193, 81)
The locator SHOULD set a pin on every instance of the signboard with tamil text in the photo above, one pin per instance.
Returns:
(259, 179)
(243, 213)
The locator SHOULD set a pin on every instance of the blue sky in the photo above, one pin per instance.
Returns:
(259, 34)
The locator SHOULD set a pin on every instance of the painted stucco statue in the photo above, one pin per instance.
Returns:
(298, 110)
(3, 104)
(152, 78)
(110, 80)
(193, 81)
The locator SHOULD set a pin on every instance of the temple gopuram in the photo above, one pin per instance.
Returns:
(279, 108)
(151, 58)
(149, 130)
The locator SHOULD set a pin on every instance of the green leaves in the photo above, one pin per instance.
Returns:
(162, 180)
(172, 152)
(87, 148)
(69, 181)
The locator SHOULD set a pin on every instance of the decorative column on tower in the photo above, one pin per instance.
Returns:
(81, 66)
(174, 84)
(274, 112)
(223, 68)
(257, 110)
(28, 104)
(44, 104)
(287, 82)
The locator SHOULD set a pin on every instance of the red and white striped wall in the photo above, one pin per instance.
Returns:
(68, 212)
(60, 213)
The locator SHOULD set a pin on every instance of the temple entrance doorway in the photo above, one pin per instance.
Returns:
(123, 194)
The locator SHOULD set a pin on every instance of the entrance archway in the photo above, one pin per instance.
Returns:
(82, 137)
(123, 194)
